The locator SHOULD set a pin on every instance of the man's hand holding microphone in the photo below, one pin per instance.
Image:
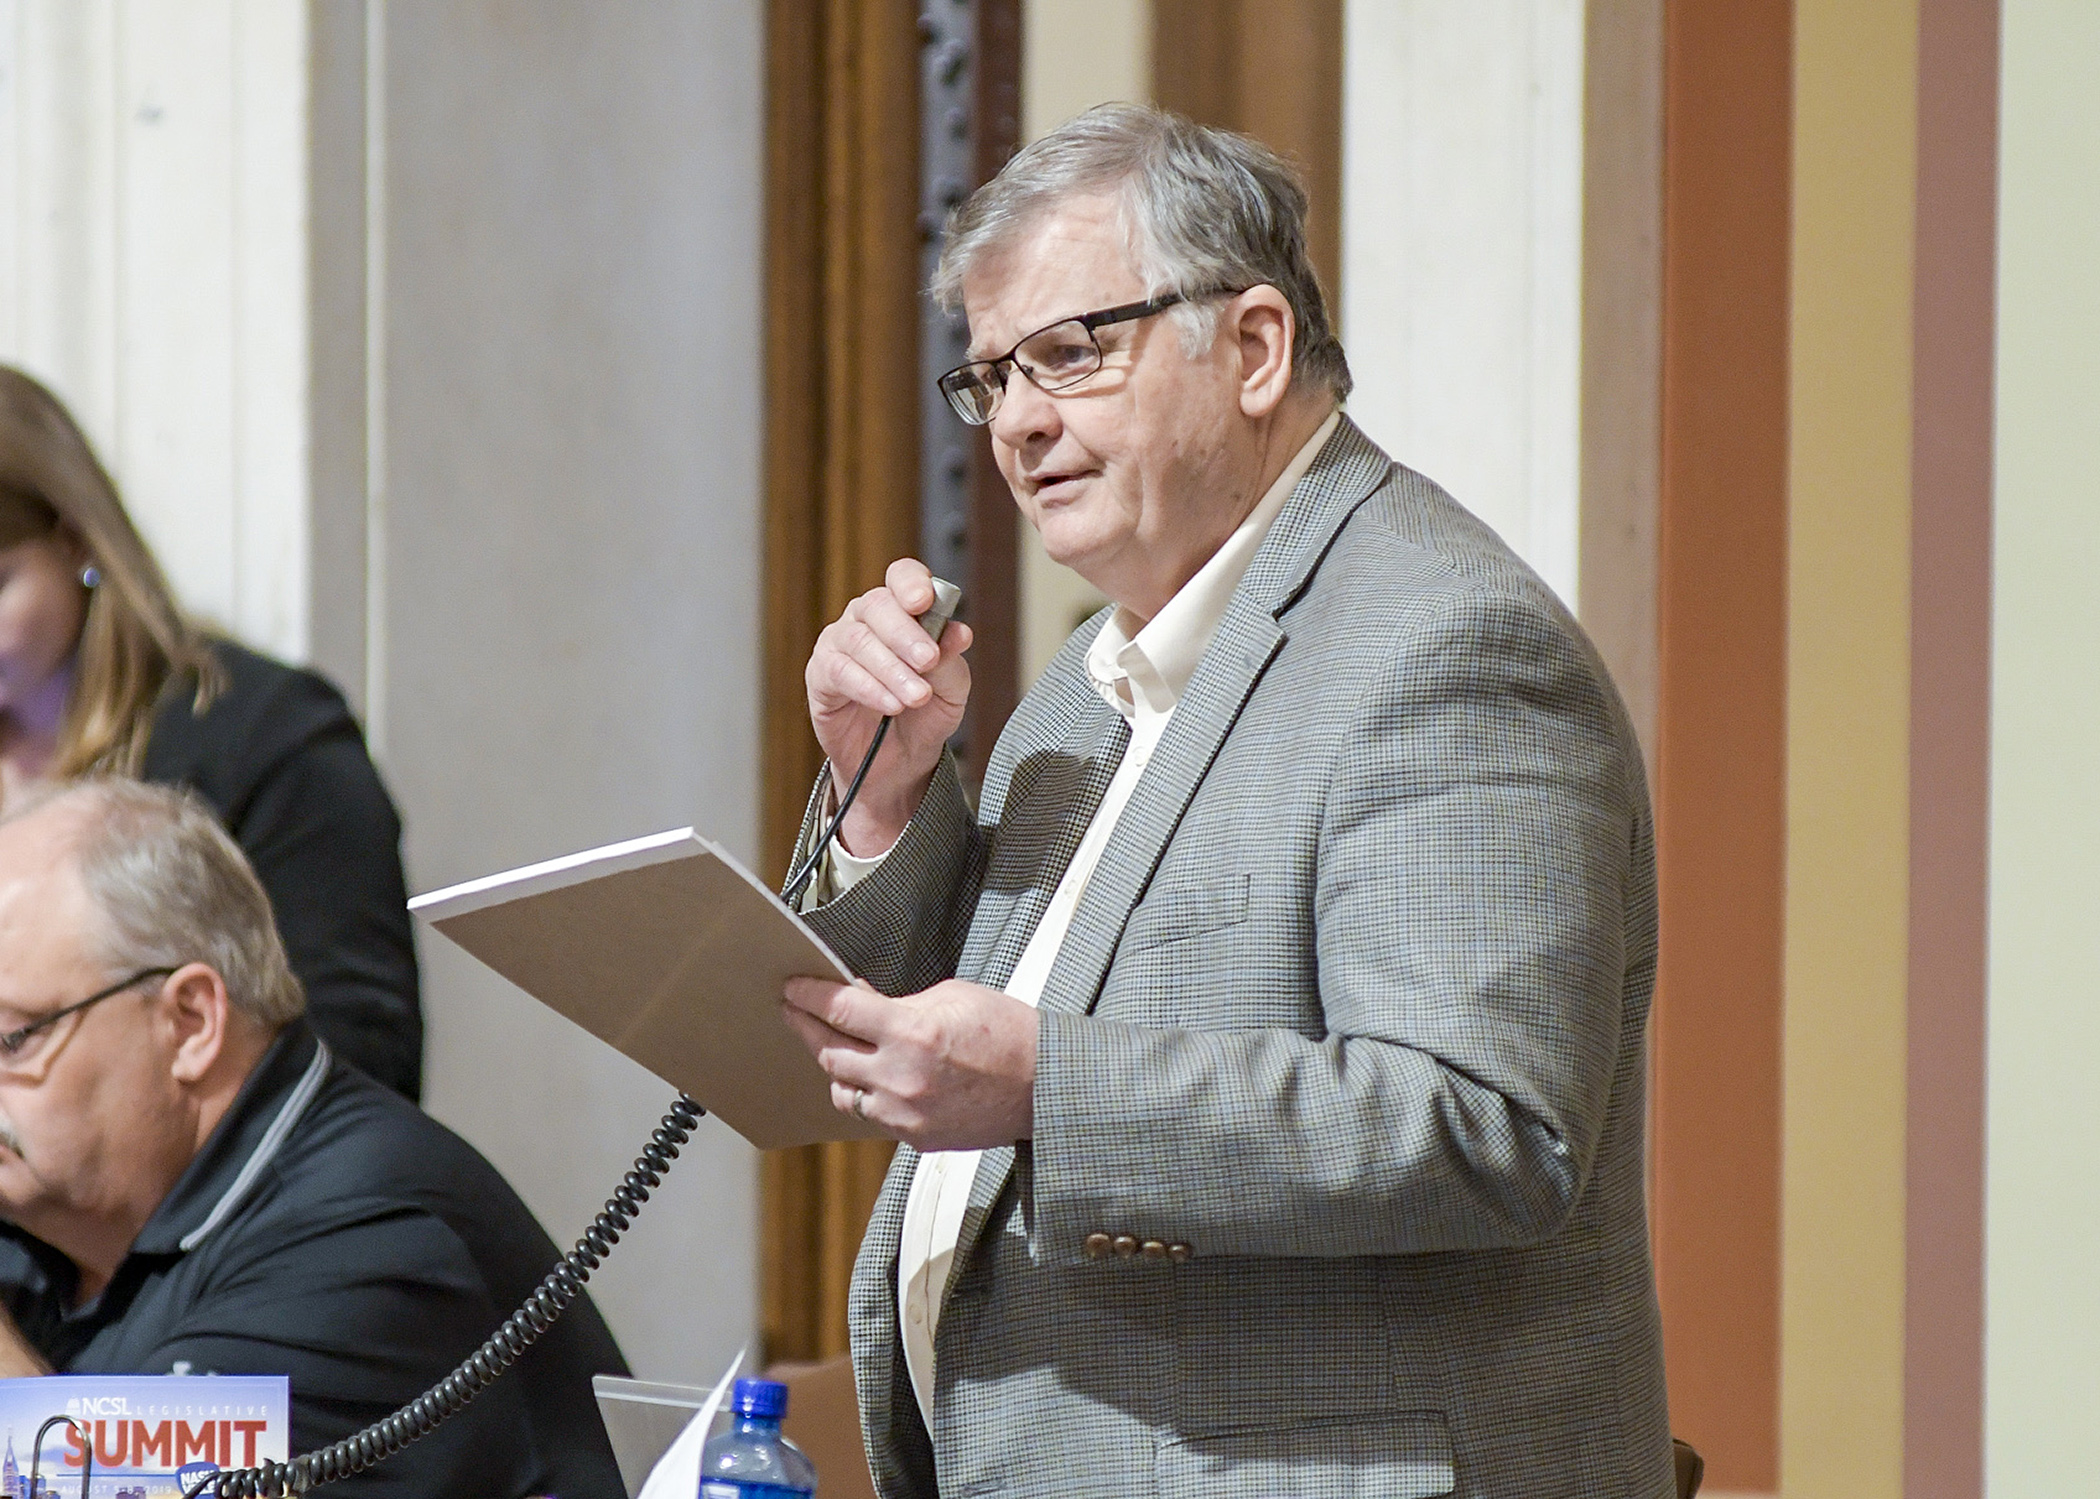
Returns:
(953, 1067)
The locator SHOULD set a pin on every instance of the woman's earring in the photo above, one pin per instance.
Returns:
(90, 576)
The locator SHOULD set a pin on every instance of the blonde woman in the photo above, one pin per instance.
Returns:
(102, 674)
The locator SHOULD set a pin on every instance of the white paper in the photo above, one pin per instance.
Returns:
(669, 950)
(677, 1473)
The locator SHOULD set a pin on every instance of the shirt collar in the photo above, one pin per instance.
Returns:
(1143, 674)
(220, 1177)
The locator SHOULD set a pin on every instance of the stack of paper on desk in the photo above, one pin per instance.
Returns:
(674, 953)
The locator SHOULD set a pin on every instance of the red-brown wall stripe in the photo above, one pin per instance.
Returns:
(1950, 740)
(1721, 730)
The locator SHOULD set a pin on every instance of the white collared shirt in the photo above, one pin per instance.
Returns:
(1141, 676)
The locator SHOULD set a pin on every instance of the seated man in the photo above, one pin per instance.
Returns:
(192, 1184)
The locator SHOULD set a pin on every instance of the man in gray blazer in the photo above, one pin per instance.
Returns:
(1266, 1044)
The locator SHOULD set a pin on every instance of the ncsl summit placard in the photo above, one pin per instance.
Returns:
(151, 1437)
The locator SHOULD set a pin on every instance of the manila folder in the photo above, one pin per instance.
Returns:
(674, 953)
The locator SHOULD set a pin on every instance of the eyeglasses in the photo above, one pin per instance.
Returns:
(1054, 358)
(12, 1043)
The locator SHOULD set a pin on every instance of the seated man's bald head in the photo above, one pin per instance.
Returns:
(168, 884)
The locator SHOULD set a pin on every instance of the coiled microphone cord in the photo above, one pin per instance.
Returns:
(450, 1395)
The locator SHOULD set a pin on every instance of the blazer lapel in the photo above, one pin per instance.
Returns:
(1349, 469)
(1247, 640)
(1050, 798)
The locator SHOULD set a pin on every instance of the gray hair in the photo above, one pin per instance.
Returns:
(172, 889)
(1205, 210)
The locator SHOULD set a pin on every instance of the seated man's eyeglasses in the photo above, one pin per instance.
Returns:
(1054, 358)
(15, 1045)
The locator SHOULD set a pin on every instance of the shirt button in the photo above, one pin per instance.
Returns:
(918, 1315)
(1096, 1246)
(1154, 1250)
(1180, 1254)
(1126, 1245)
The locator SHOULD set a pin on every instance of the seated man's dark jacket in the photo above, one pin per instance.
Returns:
(279, 757)
(363, 1257)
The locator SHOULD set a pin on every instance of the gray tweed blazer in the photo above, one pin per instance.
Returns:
(1352, 1009)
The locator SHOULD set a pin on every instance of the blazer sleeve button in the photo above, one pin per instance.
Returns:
(1096, 1245)
(1152, 1249)
(1180, 1254)
(1126, 1245)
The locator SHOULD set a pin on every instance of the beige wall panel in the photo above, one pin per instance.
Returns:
(1848, 725)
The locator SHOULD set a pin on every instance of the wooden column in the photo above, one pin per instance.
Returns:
(1271, 69)
(841, 497)
(1720, 772)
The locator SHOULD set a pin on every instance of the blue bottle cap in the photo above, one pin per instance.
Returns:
(760, 1397)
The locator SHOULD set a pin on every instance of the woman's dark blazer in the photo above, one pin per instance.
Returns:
(280, 759)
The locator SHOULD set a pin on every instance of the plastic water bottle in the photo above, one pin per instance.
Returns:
(752, 1460)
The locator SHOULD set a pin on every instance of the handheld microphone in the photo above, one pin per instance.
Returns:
(947, 598)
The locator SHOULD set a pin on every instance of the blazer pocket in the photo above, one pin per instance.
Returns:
(1405, 1455)
(1179, 915)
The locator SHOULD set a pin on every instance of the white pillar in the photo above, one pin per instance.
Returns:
(1462, 157)
(153, 272)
